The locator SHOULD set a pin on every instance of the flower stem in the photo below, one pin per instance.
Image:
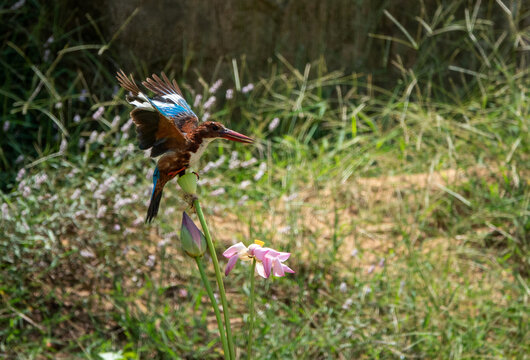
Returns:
(251, 310)
(218, 277)
(215, 307)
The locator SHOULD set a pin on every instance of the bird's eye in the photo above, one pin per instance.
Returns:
(215, 127)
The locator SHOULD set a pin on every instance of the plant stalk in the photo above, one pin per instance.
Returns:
(251, 310)
(218, 277)
(215, 307)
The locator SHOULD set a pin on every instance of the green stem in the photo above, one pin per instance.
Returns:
(215, 307)
(218, 277)
(251, 310)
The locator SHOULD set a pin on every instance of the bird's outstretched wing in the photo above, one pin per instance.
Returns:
(154, 128)
(170, 103)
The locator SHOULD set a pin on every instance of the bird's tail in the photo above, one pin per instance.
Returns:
(153, 206)
(156, 196)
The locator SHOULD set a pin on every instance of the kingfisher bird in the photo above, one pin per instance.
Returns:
(166, 124)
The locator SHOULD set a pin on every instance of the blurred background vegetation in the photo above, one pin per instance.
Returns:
(392, 161)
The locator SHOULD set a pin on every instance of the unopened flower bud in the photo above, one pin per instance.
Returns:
(188, 183)
(192, 239)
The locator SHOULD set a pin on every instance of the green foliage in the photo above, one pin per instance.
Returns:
(429, 177)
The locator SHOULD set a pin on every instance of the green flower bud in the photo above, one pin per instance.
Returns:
(188, 183)
(192, 239)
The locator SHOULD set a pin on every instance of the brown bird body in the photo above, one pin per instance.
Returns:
(166, 124)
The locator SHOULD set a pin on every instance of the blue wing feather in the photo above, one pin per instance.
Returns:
(173, 109)
(170, 103)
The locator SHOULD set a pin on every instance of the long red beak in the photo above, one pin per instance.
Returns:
(235, 136)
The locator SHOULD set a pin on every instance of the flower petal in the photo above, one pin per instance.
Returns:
(230, 265)
(234, 249)
(267, 264)
(284, 256)
(253, 247)
(261, 271)
(287, 269)
(260, 253)
(272, 252)
(277, 267)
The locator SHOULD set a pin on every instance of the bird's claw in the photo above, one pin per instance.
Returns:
(190, 199)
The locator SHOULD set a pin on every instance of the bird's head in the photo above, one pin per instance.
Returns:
(213, 129)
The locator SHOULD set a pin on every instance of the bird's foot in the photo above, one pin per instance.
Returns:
(190, 199)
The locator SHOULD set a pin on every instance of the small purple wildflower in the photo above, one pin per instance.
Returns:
(214, 164)
(101, 212)
(132, 180)
(5, 211)
(233, 162)
(6, 126)
(87, 253)
(21, 174)
(216, 86)
(198, 100)
(347, 304)
(77, 118)
(49, 41)
(248, 88)
(245, 184)
(116, 121)
(261, 171)
(249, 162)
(63, 146)
(209, 102)
(82, 96)
(284, 229)
(229, 94)
(381, 262)
(98, 113)
(274, 124)
(125, 127)
(242, 200)
(291, 197)
(218, 192)
(75, 194)
(18, 5)
(150, 261)
(40, 179)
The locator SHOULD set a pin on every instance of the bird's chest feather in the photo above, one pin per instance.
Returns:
(195, 156)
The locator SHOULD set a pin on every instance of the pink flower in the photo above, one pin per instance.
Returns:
(267, 260)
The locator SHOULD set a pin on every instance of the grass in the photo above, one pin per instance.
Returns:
(406, 210)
